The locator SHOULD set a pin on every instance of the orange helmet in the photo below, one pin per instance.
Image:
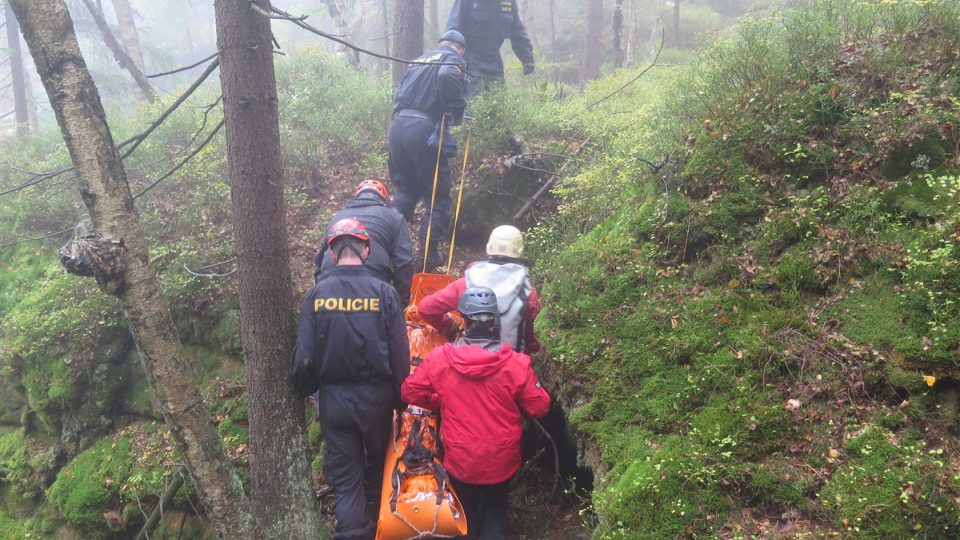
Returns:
(373, 185)
(348, 227)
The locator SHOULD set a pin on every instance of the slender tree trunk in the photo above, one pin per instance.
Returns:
(282, 493)
(407, 35)
(49, 33)
(341, 27)
(676, 23)
(128, 33)
(144, 90)
(592, 45)
(618, 34)
(435, 29)
(553, 27)
(530, 22)
(17, 75)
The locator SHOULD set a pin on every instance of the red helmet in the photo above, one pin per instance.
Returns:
(348, 227)
(375, 185)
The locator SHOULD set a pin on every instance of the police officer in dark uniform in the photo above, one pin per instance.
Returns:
(391, 254)
(485, 24)
(352, 345)
(427, 93)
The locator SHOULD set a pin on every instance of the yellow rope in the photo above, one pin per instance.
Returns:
(456, 218)
(433, 196)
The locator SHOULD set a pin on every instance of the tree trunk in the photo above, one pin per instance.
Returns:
(407, 35)
(128, 33)
(553, 27)
(17, 75)
(49, 33)
(618, 34)
(676, 23)
(342, 28)
(435, 29)
(530, 22)
(592, 46)
(282, 492)
(144, 90)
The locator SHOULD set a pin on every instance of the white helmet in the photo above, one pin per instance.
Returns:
(505, 240)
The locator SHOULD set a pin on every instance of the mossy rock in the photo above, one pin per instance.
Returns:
(930, 149)
(914, 199)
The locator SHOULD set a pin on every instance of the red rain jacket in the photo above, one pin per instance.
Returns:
(479, 395)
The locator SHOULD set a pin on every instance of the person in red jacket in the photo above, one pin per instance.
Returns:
(505, 273)
(480, 386)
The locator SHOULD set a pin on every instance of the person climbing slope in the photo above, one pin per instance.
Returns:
(427, 94)
(391, 253)
(480, 386)
(504, 272)
(352, 346)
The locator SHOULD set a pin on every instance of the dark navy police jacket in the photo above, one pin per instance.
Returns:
(351, 332)
(434, 89)
(485, 24)
(391, 255)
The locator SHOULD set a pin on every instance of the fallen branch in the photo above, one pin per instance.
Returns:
(546, 186)
(168, 495)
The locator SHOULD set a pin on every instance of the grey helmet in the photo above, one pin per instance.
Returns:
(478, 303)
(453, 36)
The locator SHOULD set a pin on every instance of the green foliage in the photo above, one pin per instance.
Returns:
(888, 488)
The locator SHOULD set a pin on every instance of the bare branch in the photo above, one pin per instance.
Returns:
(44, 237)
(546, 186)
(183, 162)
(299, 21)
(184, 68)
(137, 139)
(210, 275)
(633, 80)
(216, 264)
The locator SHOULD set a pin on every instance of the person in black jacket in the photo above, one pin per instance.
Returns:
(429, 90)
(485, 24)
(352, 346)
(391, 254)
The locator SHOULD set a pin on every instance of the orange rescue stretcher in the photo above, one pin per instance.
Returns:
(417, 500)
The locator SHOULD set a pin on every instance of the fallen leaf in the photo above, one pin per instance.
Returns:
(930, 380)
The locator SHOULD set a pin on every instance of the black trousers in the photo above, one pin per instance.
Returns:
(412, 165)
(486, 508)
(355, 420)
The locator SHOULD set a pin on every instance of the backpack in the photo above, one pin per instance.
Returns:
(511, 283)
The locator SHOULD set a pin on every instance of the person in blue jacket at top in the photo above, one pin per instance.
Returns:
(485, 24)
(431, 89)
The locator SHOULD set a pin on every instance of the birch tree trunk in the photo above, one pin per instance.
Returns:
(49, 33)
(282, 491)
(144, 90)
(17, 75)
(407, 35)
(592, 45)
(128, 33)
(342, 28)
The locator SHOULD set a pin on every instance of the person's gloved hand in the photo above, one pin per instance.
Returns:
(451, 330)
(528, 68)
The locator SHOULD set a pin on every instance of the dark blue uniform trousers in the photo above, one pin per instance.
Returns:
(355, 419)
(412, 165)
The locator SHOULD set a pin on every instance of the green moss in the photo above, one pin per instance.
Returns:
(888, 488)
(89, 485)
(797, 270)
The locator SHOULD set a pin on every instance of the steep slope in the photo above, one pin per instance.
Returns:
(761, 337)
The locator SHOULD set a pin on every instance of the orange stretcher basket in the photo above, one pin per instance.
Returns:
(417, 500)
